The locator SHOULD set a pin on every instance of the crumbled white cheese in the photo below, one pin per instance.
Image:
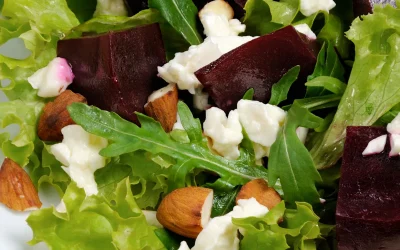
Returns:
(305, 29)
(302, 134)
(217, 20)
(222, 32)
(110, 8)
(394, 145)
(220, 233)
(309, 7)
(261, 121)
(200, 100)
(53, 79)
(225, 132)
(394, 126)
(79, 153)
(260, 152)
(151, 218)
(375, 146)
(184, 246)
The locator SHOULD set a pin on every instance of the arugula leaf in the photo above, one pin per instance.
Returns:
(93, 223)
(181, 15)
(280, 90)
(83, 10)
(333, 32)
(127, 137)
(290, 160)
(224, 201)
(299, 230)
(372, 89)
(167, 239)
(328, 83)
(249, 94)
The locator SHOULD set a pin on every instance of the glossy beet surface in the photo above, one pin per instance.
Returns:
(116, 71)
(258, 64)
(368, 208)
(363, 7)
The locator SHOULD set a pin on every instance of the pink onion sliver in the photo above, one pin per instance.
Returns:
(65, 74)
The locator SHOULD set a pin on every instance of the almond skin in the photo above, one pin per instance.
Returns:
(165, 107)
(55, 116)
(16, 188)
(186, 211)
(259, 189)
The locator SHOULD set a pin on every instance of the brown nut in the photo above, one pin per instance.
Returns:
(16, 188)
(55, 116)
(259, 189)
(162, 105)
(186, 211)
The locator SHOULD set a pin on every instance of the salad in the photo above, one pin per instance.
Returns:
(180, 124)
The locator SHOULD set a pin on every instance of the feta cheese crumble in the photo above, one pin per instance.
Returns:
(220, 233)
(394, 126)
(375, 146)
(225, 132)
(79, 153)
(305, 29)
(53, 79)
(222, 32)
(309, 7)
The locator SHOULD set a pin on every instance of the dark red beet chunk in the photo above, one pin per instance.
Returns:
(368, 208)
(258, 64)
(363, 7)
(116, 71)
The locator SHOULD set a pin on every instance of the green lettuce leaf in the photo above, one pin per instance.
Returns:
(181, 15)
(372, 89)
(93, 223)
(300, 229)
(290, 160)
(127, 137)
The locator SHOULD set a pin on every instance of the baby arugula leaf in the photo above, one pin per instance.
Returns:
(181, 15)
(329, 83)
(249, 94)
(280, 90)
(290, 160)
(126, 137)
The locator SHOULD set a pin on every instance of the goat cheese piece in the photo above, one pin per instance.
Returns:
(184, 246)
(394, 126)
(217, 20)
(220, 233)
(53, 79)
(79, 152)
(309, 7)
(375, 146)
(302, 134)
(110, 8)
(225, 132)
(305, 29)
(261, 121)
(200, 100)
(151, 218)
(394, 145)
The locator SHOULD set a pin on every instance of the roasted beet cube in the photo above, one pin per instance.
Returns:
(116, 71)
(258, 64)
(364, 7)
(368, 208)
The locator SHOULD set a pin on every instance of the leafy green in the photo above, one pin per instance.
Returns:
(290, 160)
(103, 24)
(83, 9)
(181, 15)
(333, 32)
(280, 90)
(299, 229)
(224, 201)
(372, 89)
(249, 94)
(329, 83)
(93, 223)
(127, 137)
(167, 239)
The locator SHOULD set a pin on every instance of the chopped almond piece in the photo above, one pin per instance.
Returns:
(259, 189)
(16, 188)
(162, 105)
(55, 116)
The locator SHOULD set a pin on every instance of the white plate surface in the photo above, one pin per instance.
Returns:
(14, 231)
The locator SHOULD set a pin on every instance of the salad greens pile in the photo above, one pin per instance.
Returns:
(145, 163)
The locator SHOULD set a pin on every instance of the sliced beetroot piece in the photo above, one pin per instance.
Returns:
(258, 64)
(364, 7)
(116, 71)
(368, 207)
